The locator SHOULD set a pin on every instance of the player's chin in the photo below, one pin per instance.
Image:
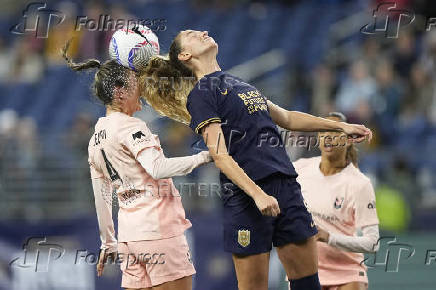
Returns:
(211, 45)
(330, 151)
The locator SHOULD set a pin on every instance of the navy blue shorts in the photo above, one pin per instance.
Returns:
(248, 232)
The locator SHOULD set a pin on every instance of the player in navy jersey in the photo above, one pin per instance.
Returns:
(263, 205)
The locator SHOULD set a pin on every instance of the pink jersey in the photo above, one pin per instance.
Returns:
(339, 203)
(148, 209)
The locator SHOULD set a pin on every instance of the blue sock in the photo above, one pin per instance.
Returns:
(306, 283)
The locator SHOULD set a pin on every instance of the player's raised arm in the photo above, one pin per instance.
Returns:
(298, 121)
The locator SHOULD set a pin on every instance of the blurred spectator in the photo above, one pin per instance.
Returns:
(418, 97)
(429, 62)
(5, 61)
(94, 44)
(370, 53)
(27, 64)
(404, 53)
(78, 138)
(323, 80)
(28, 143)
(387, 102)
(61, 34)
(357, 92)
(403, 179)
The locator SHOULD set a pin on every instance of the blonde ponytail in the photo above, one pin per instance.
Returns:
(166, 88)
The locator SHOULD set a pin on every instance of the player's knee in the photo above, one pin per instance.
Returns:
(255, 283)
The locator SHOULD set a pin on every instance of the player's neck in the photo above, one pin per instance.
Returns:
(206, 65)
(331, 166)
(110, 110)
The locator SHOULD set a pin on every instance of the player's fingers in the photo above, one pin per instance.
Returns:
(264, 211)
(274, 209)
(100, 267)
(270, 211)
(277, 208)
(359, 139)
(369, 135)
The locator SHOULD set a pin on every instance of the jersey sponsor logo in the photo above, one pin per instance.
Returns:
(253, 101)
(371, 204)
(329, 218)
(338, 203)
(244, 237)
(138, 135)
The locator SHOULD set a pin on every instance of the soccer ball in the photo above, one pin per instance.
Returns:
(132, 47)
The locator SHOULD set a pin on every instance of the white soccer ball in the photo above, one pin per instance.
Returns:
(132, 47)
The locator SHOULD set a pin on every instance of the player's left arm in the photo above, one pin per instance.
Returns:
(105, 223)
(366, 243)
(299, 121)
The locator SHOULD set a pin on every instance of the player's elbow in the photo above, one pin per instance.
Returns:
(375, 247)
(157, 175)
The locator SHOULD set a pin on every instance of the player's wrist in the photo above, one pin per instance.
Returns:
(204, 157)
(340, 126)
(330, 239)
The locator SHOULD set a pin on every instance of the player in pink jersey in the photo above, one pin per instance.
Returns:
(342, 202)
(126, 159)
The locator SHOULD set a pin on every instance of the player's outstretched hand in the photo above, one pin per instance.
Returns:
(357, 133)
(102, 259)
(205, 157)
(323, 235)
(267, 205)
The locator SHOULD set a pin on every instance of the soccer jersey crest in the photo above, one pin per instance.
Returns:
(338, 203)
(244, 237)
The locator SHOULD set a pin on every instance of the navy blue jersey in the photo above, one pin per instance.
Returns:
(251, 136)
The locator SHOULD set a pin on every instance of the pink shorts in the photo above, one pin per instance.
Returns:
(150, 263)
(336, 287)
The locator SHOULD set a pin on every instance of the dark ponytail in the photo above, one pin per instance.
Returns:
(352, 153)
(89, 64)
(109, 75)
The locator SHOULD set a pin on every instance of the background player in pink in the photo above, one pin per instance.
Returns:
(126, 158)
(342, 201)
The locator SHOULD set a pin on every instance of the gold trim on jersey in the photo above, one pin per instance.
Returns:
(205, 122)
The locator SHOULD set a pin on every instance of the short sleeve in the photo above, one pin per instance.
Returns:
(364, 206)
(136, 136)
(203, 108)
